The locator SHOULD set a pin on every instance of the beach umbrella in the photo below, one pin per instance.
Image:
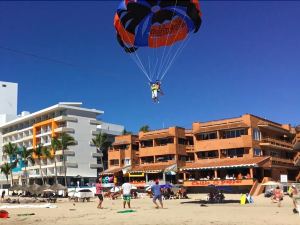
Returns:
(34, 188)
(43, 187)
(25, 187)
(166, 186)
(58, 187)
(15, 187)
(148, 188)
(271, 183)
(48, 190)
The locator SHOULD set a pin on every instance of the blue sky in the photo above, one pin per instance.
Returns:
(244, 59)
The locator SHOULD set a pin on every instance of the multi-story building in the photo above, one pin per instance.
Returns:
(296, 143)
(8, 101)
(40, 127)
(236, 152)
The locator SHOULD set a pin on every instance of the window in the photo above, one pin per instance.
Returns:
(233, 153)
(181, 141)
(127, 162)
(233, 133)
(208, 154)
(256, 134)
(257, 152)
(207, 136)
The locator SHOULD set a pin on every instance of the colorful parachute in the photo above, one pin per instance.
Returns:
(157, 25)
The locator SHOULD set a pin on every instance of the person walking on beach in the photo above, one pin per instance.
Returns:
(99, 192)
(126, 191)
(2, 196)
(156, 192)
(294, 195)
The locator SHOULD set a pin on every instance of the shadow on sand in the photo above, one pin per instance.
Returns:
(203, 202)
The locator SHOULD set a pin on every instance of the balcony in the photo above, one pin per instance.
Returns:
(244, 141)
(68, 164)
(296, 142)
(97, 154)
(189, 148)
(64, 130)
(96, 166)
(275, 143)
(67, 152)
(277, 160)
(65, 118)
(169, 149)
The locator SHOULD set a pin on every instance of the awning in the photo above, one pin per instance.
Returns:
(111, 171)
(171, 169)
(155, 136)
(226, 126)
(226, 163)
(151, 168)
(121, 143)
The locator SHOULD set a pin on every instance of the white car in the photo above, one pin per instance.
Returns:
(84, 194)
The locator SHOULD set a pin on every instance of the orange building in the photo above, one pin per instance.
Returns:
(296, 143)
(229, 152)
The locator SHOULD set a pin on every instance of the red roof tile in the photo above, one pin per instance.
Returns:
(223, 163)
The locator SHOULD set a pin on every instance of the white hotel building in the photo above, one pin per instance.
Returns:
(39, 127)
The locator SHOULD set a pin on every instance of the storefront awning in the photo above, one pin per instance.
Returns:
(226, 163)
(149, 168)
(111, 171)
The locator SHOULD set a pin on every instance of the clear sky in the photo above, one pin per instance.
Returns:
(244, 59)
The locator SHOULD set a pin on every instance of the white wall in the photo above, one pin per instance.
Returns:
(83, 151)
(110, 128)
(8, 98)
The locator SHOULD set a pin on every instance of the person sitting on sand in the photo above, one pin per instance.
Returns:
(277, 195)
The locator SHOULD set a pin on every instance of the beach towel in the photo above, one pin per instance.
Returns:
(18, 206)
(127, 211)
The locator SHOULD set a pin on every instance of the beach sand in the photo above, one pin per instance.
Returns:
(176, 212)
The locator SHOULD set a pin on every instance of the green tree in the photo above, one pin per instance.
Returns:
(11, 150)
(125, 132)
(66, 140)
(55, 145)
(40, 154)
(102, 143)
(145, 128)
(6, 169)
(26, 156)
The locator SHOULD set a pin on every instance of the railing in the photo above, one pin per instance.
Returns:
(297, 159)
(277, 159)
(276, 142)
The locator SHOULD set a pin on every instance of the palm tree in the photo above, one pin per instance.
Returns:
(11, 150)
(39, 153)
(47, 154)
(6, 169)
(125, 132)
(102, 143)
(66, 140)
(145, 128)
(26, 156)
(55, 145)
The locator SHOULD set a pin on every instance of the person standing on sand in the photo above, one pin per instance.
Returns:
(294, 195)
(99, 192)
(126, 190)
(156, 192)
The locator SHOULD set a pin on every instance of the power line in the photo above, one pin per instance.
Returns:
(36, 56)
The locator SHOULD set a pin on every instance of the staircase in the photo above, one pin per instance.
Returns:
(298, 177)
(297, 159)
(257, 187)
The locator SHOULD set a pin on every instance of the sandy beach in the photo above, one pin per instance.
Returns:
(175, 212)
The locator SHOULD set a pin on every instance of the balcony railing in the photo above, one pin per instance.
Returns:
(276, 142)
(282, 160)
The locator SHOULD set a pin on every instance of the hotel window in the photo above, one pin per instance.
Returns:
(181, 141)
(127, 162)
(258, 152)
(233, 133)
(207, 136)
(233, 153)
(256, 134)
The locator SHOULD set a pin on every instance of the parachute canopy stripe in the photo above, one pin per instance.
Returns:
(156, 23)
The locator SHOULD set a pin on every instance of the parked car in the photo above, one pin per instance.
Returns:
(81, 195)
